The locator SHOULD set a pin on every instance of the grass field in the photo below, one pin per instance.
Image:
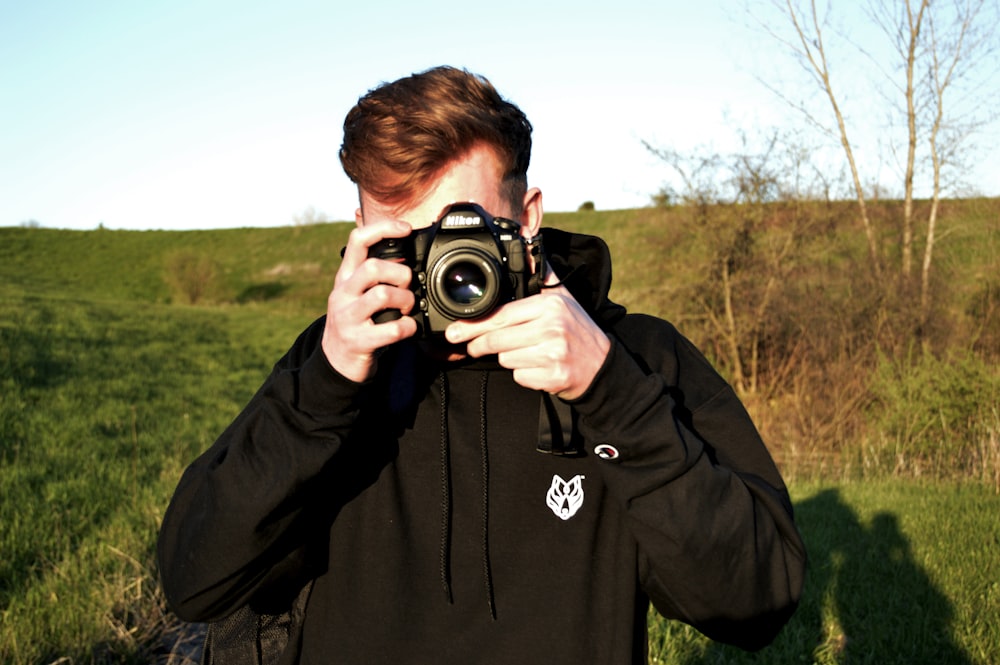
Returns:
(110, 385)
(900, 571)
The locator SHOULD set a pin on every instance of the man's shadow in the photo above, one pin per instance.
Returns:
(866, 599)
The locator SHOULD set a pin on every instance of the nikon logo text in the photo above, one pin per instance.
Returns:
(452, 221)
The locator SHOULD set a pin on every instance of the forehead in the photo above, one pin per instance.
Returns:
(475, 177)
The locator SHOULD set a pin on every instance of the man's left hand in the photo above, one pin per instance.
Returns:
(549, 342)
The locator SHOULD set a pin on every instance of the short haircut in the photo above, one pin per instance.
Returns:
(401, 135)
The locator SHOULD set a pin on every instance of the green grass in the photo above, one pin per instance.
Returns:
(103, 404)
(900, 571)
(296, 264)
(109, 387)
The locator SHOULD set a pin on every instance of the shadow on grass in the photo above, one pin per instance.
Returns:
(261, 292)
(867, 600)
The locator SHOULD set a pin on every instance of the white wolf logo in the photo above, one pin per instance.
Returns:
(565, 496)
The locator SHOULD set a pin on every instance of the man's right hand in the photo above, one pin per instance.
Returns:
(362, 287)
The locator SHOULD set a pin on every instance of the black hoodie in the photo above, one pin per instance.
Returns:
(449, 515)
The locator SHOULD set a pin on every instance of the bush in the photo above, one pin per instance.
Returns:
(984, 312)
(190, 275)
(930, 412)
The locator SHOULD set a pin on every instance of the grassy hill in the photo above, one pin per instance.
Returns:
(296, 263)
(656, 252)
(111, 381)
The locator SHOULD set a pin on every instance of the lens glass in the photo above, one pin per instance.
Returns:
(464, 283)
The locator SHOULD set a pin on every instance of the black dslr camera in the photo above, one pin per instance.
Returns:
(464, 266)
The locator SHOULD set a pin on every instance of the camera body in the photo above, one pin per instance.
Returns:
(464, 266)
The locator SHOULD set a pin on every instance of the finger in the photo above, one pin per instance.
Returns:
(504, 340)
(348, 290)
(363, 237)
(384, 296)
(372, 272)
(540, 378)
(381, 335)
(352, 319)
(348, 308)
(513, 313)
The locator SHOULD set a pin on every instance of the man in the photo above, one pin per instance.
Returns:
(516, 490)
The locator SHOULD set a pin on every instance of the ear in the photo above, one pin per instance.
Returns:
(531, 213)
(359, 218)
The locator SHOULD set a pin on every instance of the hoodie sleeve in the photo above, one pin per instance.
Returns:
(712, 520)
(232, 523)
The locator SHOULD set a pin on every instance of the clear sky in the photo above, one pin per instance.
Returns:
(189, 114)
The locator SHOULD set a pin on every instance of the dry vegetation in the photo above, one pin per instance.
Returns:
(840, 369)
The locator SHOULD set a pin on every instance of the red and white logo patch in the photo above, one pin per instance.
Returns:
(606, 451)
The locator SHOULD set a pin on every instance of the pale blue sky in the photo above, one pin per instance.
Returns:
(217, 114)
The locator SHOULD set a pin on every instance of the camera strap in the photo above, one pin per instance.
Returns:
(536, 250)
(557, 431)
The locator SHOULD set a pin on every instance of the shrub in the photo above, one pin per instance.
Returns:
(984, 311)
(930, 411)
(190, 275)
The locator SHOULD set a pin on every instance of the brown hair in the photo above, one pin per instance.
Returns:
(400, 135)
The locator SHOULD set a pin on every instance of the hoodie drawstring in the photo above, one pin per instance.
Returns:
(487, 571)
(446, 498)
(445, 493)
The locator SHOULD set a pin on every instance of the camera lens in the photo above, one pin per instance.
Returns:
(464, 283)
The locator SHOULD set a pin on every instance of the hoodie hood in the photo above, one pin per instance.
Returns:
(583, 264)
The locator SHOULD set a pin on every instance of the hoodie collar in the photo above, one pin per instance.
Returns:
(583, 264)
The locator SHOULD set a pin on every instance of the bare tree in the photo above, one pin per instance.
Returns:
(965, 39)
(905, 33)
(939, 47)
(809, 47)
(310, 216)
(942, 46)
